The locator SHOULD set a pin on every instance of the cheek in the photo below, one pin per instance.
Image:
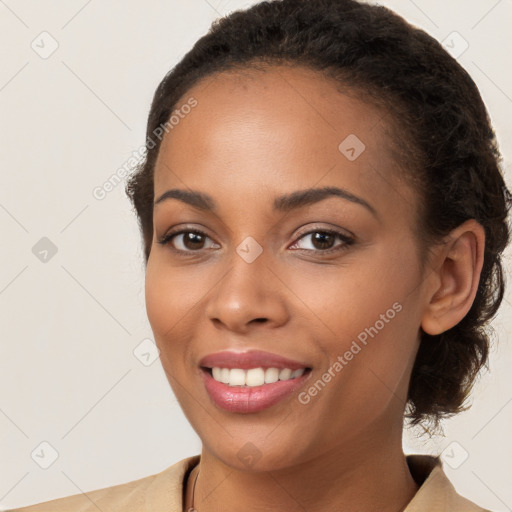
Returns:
(366, 312)
(158, 298)
(377, 356)
(345, 300)
(168, 312)
(170, 294)
(167, 302)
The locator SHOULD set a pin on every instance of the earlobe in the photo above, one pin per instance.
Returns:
(456, 278)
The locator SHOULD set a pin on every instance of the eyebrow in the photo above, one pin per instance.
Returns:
(284, 203)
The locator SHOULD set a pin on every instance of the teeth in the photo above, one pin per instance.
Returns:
(224, 375)
(285, 374)
(216, 372)
(236, 377)
(254, 376)
(271, 375)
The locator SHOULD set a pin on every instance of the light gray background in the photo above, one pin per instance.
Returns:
(69, 326)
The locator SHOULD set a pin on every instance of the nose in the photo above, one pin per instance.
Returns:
(248, 296)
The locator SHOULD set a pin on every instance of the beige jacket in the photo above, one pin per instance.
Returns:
(163, 492)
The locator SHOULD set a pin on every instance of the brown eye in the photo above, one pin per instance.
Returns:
(186, 240)
(192, 240)
(323, 240)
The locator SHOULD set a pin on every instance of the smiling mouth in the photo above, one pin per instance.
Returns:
(252, 377)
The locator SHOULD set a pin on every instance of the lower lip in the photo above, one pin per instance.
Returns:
(245, 399)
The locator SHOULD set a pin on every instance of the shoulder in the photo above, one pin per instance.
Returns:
(161, 491)
(436, 492)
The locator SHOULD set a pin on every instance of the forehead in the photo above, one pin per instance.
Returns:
(302, 100)
(282, 126)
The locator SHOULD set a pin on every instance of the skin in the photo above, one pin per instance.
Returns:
(254, 136)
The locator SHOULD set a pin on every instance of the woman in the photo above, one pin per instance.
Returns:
(323, 216)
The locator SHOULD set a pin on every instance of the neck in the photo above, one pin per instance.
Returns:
(354, 477)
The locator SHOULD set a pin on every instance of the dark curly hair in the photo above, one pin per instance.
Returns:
(441, 138)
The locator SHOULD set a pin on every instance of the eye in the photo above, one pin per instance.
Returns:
(193, 240)
(322, 240)
(186, 240)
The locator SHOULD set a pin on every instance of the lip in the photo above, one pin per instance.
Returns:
(250, 359)
(246, 399)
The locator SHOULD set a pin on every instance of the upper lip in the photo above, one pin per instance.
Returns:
(249, 359)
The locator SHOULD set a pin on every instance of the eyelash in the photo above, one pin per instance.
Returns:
(347, 241)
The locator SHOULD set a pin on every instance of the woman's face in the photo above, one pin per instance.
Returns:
(325, 282)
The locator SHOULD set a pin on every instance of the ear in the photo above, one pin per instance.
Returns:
(455, 278)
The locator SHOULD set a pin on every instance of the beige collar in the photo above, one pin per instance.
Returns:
(436, 493)
(164, 491)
